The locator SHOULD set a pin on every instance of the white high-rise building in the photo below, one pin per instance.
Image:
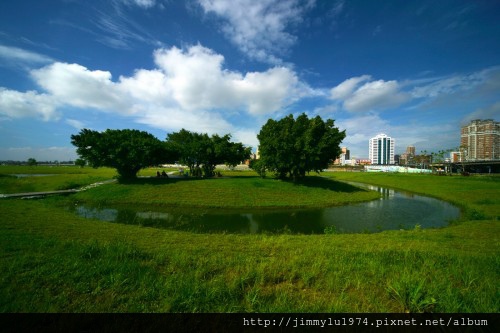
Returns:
(381, 150)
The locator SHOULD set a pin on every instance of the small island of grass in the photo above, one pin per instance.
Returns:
(231, 192)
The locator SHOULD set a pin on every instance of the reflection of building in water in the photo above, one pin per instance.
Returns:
(385, 192)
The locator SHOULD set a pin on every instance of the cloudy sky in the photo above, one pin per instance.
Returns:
(415, 70)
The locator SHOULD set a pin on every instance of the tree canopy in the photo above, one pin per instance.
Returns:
(201, 152)
(292, 147)
(32, 162)
(126, 150)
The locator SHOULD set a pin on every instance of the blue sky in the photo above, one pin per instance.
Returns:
(415, 70)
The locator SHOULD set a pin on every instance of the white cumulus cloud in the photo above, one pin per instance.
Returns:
(189, 88)
(15, 104)
(78, 86)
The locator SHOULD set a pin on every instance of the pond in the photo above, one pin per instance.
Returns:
(24, 175)
(394, 210)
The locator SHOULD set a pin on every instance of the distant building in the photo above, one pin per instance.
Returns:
(481, 140)
(363, 161)
(410, 150)
(407, 157)
(455, 156)
(344, 157)
(351, 162)
(381, 150)
(403, 159)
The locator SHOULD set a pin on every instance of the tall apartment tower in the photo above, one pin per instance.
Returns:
(381, 150)
(481, 140)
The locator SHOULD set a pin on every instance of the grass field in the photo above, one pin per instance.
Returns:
(227, 192)
(53, 261)
(53, 178)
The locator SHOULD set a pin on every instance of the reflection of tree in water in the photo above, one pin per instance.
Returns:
(219, 223)
(201, 222)
(298, 222)
(160, 220)
(295, 222)
(126, 216)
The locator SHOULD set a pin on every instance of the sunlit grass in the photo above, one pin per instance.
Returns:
(54, 178)
(230, 192)
(53, 261)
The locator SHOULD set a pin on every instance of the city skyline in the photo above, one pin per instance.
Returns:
(410, 69)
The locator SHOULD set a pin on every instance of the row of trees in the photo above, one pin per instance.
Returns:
(289, 148)
(128, 150)
(200, 151)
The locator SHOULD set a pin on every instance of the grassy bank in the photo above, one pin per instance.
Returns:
(231, 192)
(49, 178)
(54, 261)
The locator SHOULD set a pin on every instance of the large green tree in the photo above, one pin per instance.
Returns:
(203, 152)
(32, 162)
(292, 147)
(126, 150)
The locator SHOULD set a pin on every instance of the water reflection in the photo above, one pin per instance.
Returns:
(105, 214)
(394, 210)
(24, 175)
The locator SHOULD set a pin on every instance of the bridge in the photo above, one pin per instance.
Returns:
(486, 166)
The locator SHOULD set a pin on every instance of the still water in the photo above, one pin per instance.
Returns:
(394, 210)
(24, 175)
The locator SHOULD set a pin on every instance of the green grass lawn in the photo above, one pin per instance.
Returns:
(231, 192)
(53, 261)
(54, 178)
